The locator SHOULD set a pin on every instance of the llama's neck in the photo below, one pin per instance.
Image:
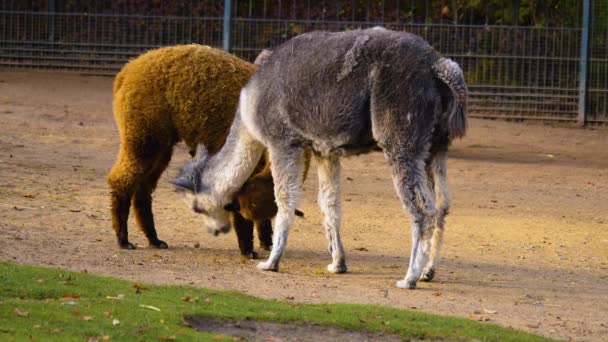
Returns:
(230, 168)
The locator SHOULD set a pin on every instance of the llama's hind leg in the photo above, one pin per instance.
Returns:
(244, 235)
(287, 167)
(142, 199)
(329, 202)
(123, 179)
(120, 207)
(264, 231)
(437, 170)
(142, 205)
(411, 184)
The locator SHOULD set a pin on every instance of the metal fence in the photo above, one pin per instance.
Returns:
(516, 67)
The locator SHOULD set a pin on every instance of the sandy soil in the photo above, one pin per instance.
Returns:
(526, 244)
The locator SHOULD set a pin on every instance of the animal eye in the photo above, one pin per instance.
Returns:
(198, 209)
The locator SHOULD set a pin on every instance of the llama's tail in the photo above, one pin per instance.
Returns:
(450, 73)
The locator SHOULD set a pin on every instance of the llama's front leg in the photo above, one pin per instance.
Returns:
(329, 202)
(410, 181)
(287, 167)
(442, 200)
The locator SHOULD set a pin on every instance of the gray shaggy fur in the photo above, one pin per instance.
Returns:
(346, 93)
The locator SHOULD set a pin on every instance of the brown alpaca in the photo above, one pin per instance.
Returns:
(251, 207)
(183, 93)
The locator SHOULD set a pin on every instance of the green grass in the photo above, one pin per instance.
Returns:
(50, 304)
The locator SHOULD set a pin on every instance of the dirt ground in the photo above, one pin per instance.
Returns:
(526, 243)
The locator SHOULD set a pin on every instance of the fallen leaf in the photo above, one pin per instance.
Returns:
(318, 272)
(533, 325)
(140, 287)
(21, 313)
(362, 249)
(87, 318)
(107, 314)
(189, 299)
(489, 311)
(208, 300)
(56, 331)
(40, 280)
(115, 322)
(149, 307)
(69, 296)
(166, 338)
(436, 293)
(117, 297)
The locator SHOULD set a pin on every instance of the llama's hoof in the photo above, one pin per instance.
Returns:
(126, 245)
(428, 275)
(268, 266)
(251, 255)
(339, 268)
(159, 244)
(266, 247)
(406, 284)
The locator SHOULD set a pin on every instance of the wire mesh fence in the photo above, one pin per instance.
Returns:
(520, 62)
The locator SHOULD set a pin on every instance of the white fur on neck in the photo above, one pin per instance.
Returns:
(227, 171)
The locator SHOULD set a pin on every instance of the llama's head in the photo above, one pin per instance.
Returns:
(198, 195)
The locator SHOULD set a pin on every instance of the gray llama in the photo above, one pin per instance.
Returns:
(341, 94)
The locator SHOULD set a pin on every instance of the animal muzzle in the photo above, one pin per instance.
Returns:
(223, 230)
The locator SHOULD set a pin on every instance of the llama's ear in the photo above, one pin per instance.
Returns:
(233, 207)
(183, 183)
(263, 56)
(203, 154)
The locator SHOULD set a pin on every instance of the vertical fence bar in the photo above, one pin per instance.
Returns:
(227, 36)
(51, 21)
(582, 87)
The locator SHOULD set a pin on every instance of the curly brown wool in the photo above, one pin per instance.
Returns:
(183, 93)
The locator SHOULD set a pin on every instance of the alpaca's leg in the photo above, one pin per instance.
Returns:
(244, 234)
(411, 184)
(437, 169)
(123, 179)
(142, 199)
(329, 202)
(120, 206)
(142, 207)
(264, 231)
(287, 167)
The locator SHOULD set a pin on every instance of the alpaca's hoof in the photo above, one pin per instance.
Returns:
(428, 275)
(252, 255)
(159, 244)
(268, 266)
(339, 268)
(126, 245)
(266, 247)
(406, 284)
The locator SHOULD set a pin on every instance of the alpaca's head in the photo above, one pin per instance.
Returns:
(197, 194)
